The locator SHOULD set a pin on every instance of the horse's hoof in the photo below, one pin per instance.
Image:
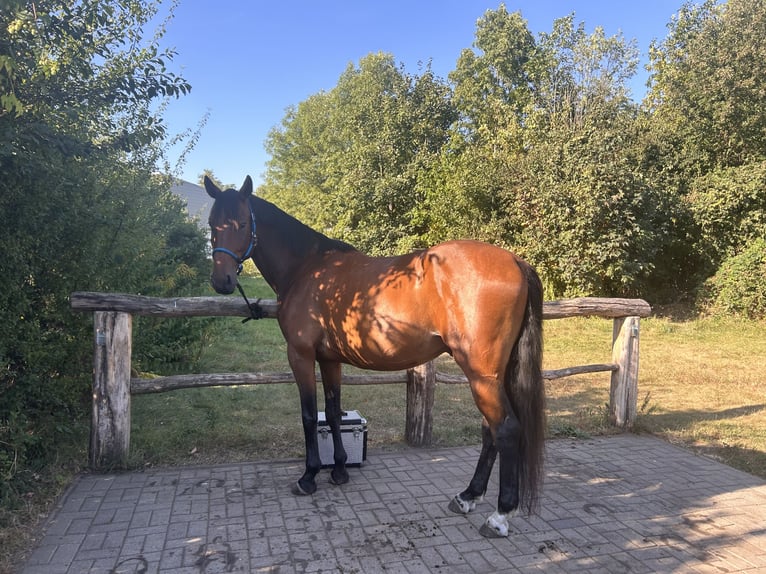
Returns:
(298, 490)
(489, 532)
(341, 478)
(460, 506)
(496, 526)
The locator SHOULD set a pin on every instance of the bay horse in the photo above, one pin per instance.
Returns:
(478, 302)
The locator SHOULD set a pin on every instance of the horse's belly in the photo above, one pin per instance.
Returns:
(385, 345)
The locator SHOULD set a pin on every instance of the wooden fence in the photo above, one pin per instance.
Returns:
(113, 384)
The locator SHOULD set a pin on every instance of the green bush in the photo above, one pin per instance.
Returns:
(739, 286)
(729, 208)
(81, 208)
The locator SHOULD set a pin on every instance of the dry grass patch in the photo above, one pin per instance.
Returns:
(702, 384)
(707, 379)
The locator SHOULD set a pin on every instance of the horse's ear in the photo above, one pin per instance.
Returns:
(247, 187)
(211, 188)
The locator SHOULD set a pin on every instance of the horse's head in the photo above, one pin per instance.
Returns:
(232, 233)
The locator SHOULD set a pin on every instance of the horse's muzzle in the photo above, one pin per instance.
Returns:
(223, 285)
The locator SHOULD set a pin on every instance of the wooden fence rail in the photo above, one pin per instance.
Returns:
(113, 385)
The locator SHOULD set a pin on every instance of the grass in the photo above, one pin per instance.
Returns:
(702, 384)
(707, 382)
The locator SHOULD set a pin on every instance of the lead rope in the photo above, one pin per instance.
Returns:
(256, 311)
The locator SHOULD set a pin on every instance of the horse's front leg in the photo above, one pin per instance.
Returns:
(305, 377)
(331, 377)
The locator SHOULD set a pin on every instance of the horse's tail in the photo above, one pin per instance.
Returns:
(526, 391)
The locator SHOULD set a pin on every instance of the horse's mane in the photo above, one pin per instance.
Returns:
(298, 236)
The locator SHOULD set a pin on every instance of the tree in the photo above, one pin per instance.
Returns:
(706, 87)
(347, 161)
(80, 207)
(462, 194)
(706, 128)
(580, 79)
(493, 88)
(542, 158)
(588, 217)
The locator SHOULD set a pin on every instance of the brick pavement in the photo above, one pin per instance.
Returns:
(613, 504)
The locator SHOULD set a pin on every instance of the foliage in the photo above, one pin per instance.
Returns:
(706, 93)
(80, 207)
(591, 224)
(729, 208)
(347, 160)
(466, 190)
(492, 87)
(739, 285)
(588, 219)
(705, 129)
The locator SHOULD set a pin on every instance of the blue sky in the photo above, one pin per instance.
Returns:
(248, 60)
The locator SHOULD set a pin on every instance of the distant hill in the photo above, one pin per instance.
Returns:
(198, 202)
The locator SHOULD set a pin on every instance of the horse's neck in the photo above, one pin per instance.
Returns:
(285, 245)
(278, 261)
(277, 267)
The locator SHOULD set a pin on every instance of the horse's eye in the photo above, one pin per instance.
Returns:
(242, 224)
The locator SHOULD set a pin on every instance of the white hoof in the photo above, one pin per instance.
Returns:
(496, 526)
(460, 506)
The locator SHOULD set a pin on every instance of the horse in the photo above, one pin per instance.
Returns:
(336, 305)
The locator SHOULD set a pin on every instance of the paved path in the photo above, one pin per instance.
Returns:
(614, 504)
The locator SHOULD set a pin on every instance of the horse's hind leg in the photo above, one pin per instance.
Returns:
(507, 438)
(465, 502)
(331, 376)
(500, 437)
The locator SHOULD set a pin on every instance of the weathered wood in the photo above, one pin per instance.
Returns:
(139, 386)
(421, 383)
(597, 307)
(169, 307)
(235, 306)
(110, 421)
(578, 370)
(623, 393)
(450, 379)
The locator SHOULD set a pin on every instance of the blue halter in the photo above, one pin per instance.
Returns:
(249, 251)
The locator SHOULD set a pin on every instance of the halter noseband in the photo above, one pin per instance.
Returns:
(250, 247)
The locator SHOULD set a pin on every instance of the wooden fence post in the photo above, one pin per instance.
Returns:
(110, 423)
(623, 394)
(421, 384)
